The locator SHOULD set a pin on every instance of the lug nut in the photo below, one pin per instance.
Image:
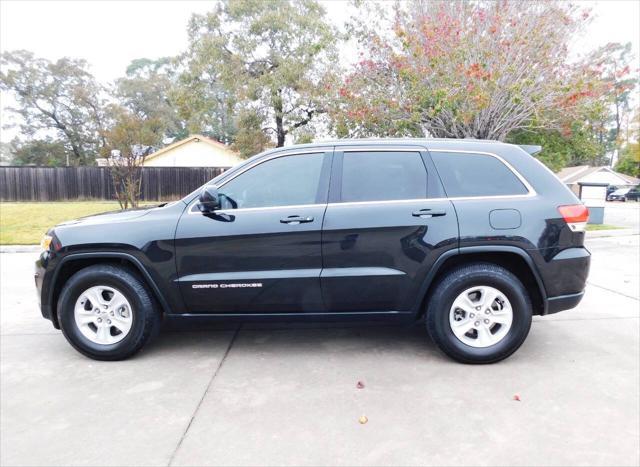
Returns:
(472, 315)
(105, 307)
(108, 321)
(111, 313)
(476, 324)
(478, 308)
(99, 320)
(486, 321)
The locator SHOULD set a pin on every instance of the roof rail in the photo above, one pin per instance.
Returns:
(531, 149)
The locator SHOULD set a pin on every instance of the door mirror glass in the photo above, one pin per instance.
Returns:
(209, 199)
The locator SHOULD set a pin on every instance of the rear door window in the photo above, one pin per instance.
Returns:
(477, 175)
(383, 175)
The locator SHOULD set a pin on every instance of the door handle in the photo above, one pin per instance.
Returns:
(294, 220)
(428, 213)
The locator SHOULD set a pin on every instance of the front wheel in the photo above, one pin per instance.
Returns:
(479, 313)
(106, 312)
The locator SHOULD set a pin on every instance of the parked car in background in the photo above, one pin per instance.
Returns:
(618, 195)
(473, 237)
(611, 189)
(633, 194)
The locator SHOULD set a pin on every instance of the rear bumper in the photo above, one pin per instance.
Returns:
(563, 302)
(565, 278)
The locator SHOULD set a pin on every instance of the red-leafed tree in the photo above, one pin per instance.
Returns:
(465, 69)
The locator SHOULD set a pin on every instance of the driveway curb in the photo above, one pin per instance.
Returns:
(19, 248)
(611, 233)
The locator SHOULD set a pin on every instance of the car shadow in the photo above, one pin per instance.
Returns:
(292, 337)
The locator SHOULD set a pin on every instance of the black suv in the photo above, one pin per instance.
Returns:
(474, 236)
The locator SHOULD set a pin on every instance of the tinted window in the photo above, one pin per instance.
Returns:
(378, 176)
(476, 175)
(283, 181)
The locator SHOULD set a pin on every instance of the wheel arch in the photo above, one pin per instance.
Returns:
(514, 259)
(73, 263)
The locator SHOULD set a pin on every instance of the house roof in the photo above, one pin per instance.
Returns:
(188, 139)
(568, 174)
(571, 175)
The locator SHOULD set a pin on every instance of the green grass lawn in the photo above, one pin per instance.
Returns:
(602, 227)
(26, 223)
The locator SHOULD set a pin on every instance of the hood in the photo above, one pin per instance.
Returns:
(111, 216)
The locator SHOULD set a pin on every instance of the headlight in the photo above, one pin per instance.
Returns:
(46, 242)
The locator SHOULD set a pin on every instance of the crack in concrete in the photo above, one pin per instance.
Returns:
(206, 391)
(613, 291)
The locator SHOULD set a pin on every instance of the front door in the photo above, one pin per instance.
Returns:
(261, 252)
(386, 224)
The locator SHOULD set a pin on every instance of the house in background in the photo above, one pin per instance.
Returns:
(194, 151)
(585, 174)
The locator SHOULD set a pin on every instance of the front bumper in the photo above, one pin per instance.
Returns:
(41, 282)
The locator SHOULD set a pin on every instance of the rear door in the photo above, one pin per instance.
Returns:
(385, 225)
(260, 253)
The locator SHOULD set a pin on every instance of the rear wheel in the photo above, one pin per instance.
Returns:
(106, 312)
(479, 313)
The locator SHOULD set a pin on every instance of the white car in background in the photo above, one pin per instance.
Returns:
(618, 195)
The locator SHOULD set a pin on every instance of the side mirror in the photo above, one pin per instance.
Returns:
(209, 199)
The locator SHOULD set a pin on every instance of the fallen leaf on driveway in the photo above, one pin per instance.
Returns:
(362, 420)
(360, 385)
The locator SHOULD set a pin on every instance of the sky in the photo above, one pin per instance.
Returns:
(109, 34)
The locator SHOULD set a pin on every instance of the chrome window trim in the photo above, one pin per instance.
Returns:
(264, 208)
(531, 191)
(275, 156)
(291, 152)
(386, 201)
(417, 149)
(417, 200)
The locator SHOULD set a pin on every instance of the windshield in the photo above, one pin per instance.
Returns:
(621, 191)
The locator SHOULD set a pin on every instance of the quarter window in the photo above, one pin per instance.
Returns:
(283, 181)
(380, 176)
(470, 174)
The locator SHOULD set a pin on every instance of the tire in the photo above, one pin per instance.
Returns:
(470, 282)
(99, 290)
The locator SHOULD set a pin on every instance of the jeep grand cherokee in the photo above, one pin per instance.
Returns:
(474, 237)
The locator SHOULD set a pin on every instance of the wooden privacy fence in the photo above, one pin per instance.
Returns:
(71, 183)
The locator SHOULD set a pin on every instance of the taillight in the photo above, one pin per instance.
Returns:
(575, 215)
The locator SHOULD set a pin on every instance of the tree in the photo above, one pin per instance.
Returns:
(128, 142)
(613, 63)
(59, 97)
(6, 153)
(203, 103)
(264, 58)
(463, 69)
(250, 139)
(629, 162)
(47, 152)
(149, 90)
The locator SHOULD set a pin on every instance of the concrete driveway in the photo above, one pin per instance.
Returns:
(287, 395)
